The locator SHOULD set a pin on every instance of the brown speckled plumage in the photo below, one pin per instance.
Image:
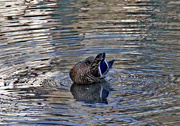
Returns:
(87, 72)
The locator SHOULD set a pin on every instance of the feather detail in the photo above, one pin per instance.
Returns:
(105, 67)
(90, 70)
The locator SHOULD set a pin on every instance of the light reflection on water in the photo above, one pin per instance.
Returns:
(42, 40)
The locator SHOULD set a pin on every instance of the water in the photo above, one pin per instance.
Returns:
(42, 40)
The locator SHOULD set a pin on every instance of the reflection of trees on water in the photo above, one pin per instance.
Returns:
(27, 33)
(134, 32)
(24, 40)
(143, 37)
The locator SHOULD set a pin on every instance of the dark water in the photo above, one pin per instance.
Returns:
(40, 41)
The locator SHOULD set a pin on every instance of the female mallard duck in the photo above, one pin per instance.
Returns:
(90, 70)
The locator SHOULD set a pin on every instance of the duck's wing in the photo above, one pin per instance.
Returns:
(105, 66)
(98, 60)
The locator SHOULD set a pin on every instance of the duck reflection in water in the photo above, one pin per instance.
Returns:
(91, 93)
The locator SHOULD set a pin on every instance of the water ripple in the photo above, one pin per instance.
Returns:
(42, 40)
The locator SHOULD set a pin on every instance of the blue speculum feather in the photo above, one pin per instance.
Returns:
(105, 66)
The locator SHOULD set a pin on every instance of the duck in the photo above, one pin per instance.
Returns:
(91, 70)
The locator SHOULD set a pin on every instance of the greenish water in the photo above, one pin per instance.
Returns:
(40, 41)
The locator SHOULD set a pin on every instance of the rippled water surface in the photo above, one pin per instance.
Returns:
(41, 40)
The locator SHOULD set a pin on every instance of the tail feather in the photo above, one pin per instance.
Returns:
(110, 63)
